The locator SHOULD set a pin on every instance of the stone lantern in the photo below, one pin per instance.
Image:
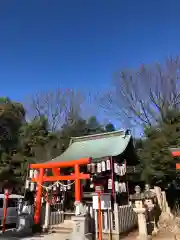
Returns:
(149, 197)
(137, 200)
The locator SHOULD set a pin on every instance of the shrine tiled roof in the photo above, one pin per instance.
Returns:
(95, 146)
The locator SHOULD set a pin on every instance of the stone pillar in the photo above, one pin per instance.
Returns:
(166, 212)
(140, 210)
(158, 193)
(166, 208)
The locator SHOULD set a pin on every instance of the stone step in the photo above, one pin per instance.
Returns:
(68, 222)
(65, 224)
(61, 230)
(65, 227)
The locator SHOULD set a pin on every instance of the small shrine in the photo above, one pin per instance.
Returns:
(107, 159)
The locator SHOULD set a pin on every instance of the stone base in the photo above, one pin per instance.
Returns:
(45, 229)
(78, 228)
(155, 231)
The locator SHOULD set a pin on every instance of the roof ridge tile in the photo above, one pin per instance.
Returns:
(98, 136)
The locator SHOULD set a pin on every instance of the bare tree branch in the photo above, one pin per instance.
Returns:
(58, 106)
(146, 95)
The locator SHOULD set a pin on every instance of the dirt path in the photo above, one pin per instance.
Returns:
(164, 234)
(130, 236)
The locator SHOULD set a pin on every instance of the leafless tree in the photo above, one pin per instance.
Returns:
(144, 96)
(58, 106)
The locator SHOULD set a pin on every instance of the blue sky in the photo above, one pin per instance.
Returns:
(80, 43)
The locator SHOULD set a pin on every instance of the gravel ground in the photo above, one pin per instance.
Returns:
(53, 236)
(162, 235)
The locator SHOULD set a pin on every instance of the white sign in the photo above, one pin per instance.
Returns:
(22, 221)
(105, 202)
(95, 202)
(99, 188)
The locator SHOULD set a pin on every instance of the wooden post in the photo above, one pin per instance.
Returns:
(116, 218)
(99, 217)
(77, 184)
(38, 197)
(6, 197)
(112, 178)
(110, 224)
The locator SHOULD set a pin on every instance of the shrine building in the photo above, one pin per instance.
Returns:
(106, 159)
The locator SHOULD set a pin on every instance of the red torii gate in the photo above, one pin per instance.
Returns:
(176, 153)
(56, 166)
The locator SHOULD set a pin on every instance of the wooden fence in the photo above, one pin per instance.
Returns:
(119, 220)
(52, 214)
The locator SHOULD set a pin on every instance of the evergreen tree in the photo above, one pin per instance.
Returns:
(93, 126)
(157, 161)
(110, 127)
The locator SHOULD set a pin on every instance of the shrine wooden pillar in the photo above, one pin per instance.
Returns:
(38, 197)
